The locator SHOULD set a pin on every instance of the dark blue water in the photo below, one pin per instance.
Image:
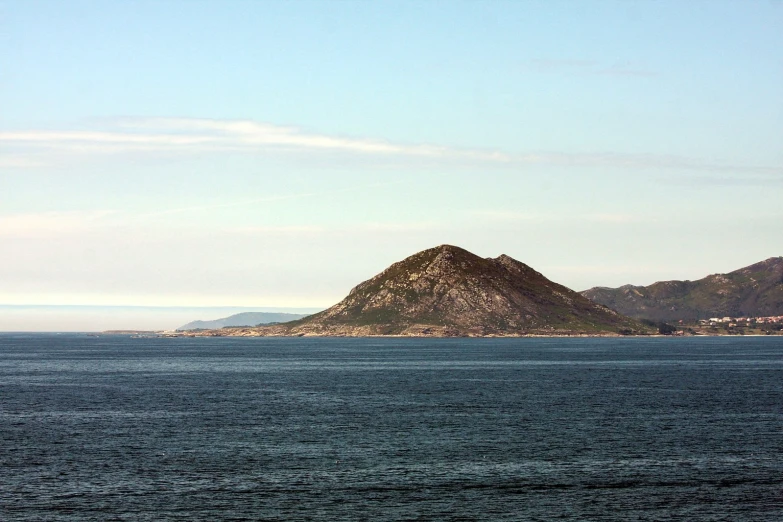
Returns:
(115, 428)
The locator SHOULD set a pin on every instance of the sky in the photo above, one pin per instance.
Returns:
(209, 155)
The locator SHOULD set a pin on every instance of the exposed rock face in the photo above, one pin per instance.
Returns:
(447, 291)
(756, 290)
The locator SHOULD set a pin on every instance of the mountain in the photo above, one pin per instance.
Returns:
(447, 291)
(243, 319)
(755, 291)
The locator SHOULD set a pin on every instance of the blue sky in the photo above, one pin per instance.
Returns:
(274, 154)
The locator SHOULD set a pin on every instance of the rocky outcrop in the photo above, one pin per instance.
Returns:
(448, 291)
(756, 290)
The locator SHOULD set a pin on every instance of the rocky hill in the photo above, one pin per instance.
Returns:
(242, 319)
(447, 291)
(756, 290)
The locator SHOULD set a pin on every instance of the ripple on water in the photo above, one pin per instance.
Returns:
(507, 429)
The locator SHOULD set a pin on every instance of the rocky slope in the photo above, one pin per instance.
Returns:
(756, 290)
(447, 291)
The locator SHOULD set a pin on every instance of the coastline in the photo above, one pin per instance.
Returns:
(235, 334)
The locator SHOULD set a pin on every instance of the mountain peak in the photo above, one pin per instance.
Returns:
(458, 292)
(448, 248)
(445, 254)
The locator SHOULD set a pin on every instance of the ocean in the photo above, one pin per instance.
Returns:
(116, 428)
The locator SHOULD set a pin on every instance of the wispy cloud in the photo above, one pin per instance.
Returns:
(202, 134)
(507, 216)
(773, 177)
(45, 224)
(254, 134)
(192, 136)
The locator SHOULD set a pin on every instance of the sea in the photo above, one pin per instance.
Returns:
(120, 428)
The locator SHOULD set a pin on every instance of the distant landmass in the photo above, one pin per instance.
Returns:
(753, 291)
(448, 291)
(243, 319)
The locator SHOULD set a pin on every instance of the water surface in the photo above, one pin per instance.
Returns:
(114, 428)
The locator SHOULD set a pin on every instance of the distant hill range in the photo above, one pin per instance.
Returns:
(448, 291)
(753, 291)
(243, 319)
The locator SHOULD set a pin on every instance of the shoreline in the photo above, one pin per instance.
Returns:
(214, 334)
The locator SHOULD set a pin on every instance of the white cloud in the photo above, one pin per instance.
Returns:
(201, 134)
(185, 135)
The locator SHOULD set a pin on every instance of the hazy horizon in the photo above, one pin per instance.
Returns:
(79, 318)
